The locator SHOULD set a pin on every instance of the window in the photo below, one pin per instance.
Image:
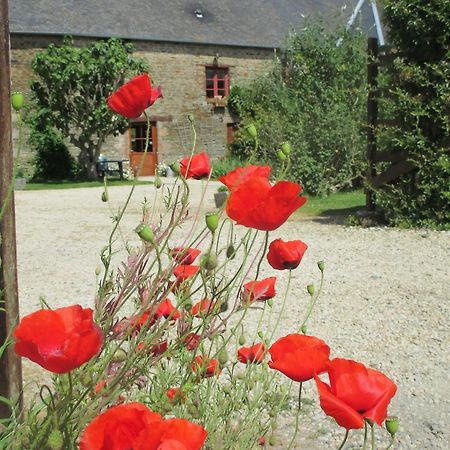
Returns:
(217, 82)
(138, 131)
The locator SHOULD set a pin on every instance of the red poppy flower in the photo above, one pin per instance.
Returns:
(197, 166)
(203, 307)
(286, 255)
(355, 393)
(119, 427)
(299, 357)
(172, 434)
(175, 395)
(166, 309)
(259, 290)
(185, 271)
(232, 179)
(253, 354)
(255, 203)
(154, 349)
(205, 367)
(192, 341)
(59, 340)
(184, 255)
(132, 99)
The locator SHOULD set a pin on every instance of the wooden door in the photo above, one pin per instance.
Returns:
(138, 140)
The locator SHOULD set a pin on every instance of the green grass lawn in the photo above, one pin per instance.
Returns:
(77, 184)
(340, 203)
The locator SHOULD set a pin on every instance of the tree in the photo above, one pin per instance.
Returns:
(71, 89)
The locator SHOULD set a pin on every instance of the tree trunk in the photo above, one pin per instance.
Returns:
(87, 161)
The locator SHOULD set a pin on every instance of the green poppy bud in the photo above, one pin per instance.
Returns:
(304, 329)
(392, 424)
(261, 334)
(281, 155)
(55, 440)
(251, 131)
(272, 440)
(98, 271)
(175, 166)
(105, 196)
(241, 340)
(270, 302)
(209, 262)
(119, 356)
(145, 233)
(272, 413)
(274, 424)
(157, 182)
(227, 389)
(17, 100)
(190, 117)
(286, 148)
(321, 266)
(222, 357)
(231, 251)
(212, 221)
(224, 306)
(193, 411)
(310, 289)
(86, 380)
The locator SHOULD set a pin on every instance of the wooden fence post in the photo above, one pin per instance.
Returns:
(10, 364)
(372, 117)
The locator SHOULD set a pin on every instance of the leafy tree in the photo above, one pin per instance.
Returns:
(315, 98)
(71, 89)
(419, 87)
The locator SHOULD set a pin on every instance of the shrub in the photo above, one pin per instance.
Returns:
(418, 82)
(314, 97)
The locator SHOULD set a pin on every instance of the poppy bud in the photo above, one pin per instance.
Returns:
(249, 383)
(224, 306)
(193, 411)
(231, 251)
(304, 329)
(274, 424)
(190, 117)
(105, 196)
(167, 408)
(209, 262)
(286, 148)
(310, 289)
(227, 389)
(251, 131)
(175, 166)
(392, 425)
(212, 221)
(270, 302)
(272, 440)
(281, 155)
(17, 100)
(321, 266)
(145, 233)
(119, 356)
(86, 380)
(55, 440)
(241, 340)
(261, 334)
(272, 413)
(157, 182)
(223, 357)
(98, 270)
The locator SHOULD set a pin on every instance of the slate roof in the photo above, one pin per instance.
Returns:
(250, 23)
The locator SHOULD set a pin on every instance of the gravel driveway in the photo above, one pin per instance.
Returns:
(385, 300)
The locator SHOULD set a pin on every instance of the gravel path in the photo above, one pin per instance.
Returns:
(385, 300)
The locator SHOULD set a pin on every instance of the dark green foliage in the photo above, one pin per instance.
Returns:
(222, 166)
(314, 97)
(420, 90)
(71, 89)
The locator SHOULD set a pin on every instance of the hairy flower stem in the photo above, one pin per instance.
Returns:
(344, 441)
(372, 434)
(391, 443)
(313, 302)
(266, 244)
(365, 436)
(283, 306)
(297, 416)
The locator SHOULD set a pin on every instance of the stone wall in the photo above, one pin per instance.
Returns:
(180, 70)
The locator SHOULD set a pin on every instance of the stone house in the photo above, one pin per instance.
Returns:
(196, 49)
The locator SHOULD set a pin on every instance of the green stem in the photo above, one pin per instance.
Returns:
(344, 441)
(372, 434)
(365, 436)
(297, 416)
(266, 243)
(391, 443)
(313, 302)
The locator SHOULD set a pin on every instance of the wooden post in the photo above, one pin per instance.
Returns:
(10, 364)
(372, 118)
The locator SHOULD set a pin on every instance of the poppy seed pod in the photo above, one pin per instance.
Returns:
(175, 166)
(212, 221)
(281, 156)
(17, 101)
(251, 131)
(392, 425)
(120, 355)
(145, 233)
(286, 148)
(209, 262)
